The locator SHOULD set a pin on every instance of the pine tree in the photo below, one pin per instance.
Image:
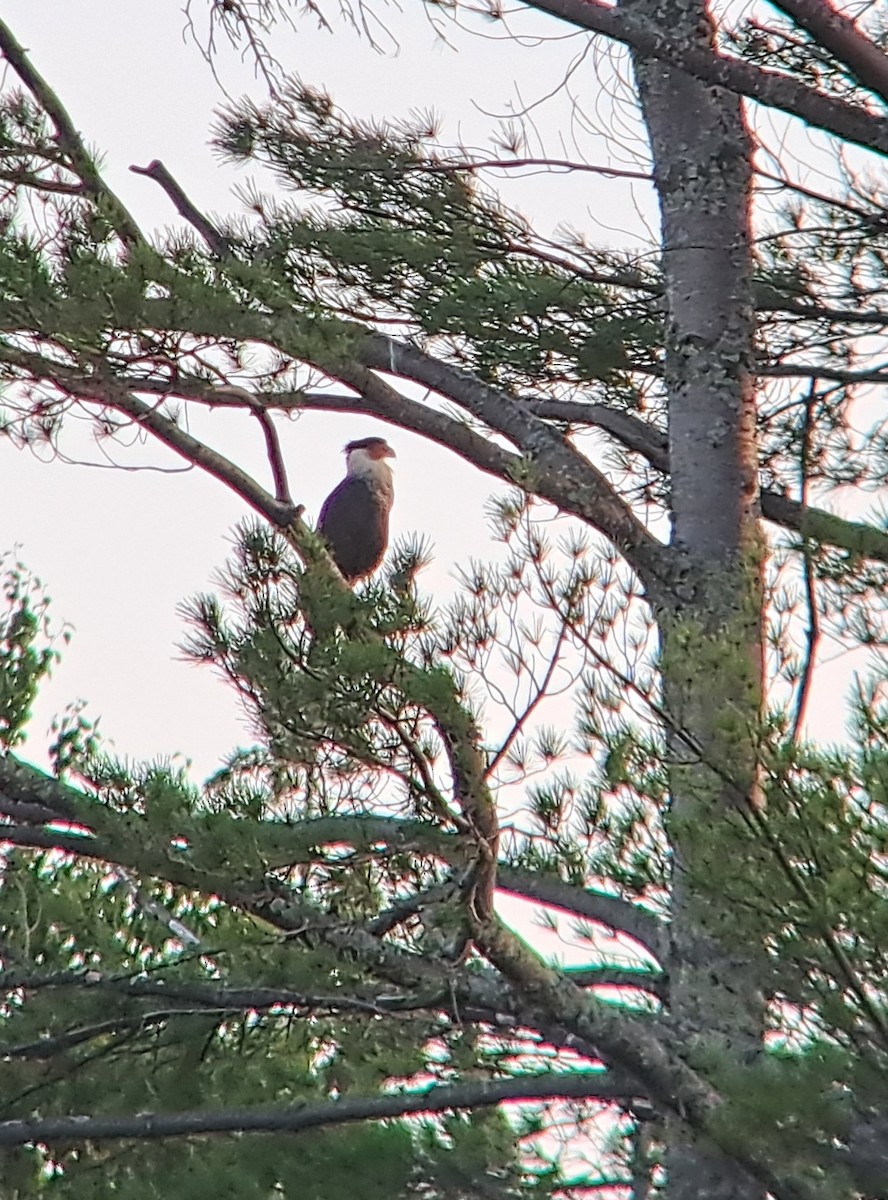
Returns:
(310, 940)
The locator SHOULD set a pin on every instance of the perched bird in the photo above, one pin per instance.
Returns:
(355, 516)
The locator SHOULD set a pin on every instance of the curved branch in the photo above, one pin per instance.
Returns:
(613, 912)
(554, 470)
(621, 977)
(273, 450)
(278, 512)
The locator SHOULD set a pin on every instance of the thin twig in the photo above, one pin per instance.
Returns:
(536, 700)
(275, 457)
(505, 164)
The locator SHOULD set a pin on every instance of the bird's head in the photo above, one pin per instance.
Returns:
(367, 455)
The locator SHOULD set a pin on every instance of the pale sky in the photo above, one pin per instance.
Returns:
(119, 550)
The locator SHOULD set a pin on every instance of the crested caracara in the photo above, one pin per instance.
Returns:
(355, 516)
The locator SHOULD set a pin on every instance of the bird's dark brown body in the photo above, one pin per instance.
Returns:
(354, 519)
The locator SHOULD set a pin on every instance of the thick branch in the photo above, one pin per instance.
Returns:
(555, 470)
(382, 400)
(846, 121)
(624, 1041)
(857, 537)
(840, 36)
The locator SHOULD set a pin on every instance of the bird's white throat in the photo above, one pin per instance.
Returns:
(376, 471)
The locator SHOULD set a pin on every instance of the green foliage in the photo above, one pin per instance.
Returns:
(294, 931)
(410, 235)
(332, 716)
(26, 649)
(101, 962)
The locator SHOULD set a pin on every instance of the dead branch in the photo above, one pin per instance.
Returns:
(216, 241)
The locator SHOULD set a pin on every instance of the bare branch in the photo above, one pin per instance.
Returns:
(841, 37)
(216, 241)
(109, 391)
(612, 912)
(272, 440)
(513, 164)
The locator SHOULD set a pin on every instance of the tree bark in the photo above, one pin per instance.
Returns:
(710, 627)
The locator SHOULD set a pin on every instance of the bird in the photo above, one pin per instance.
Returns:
(354, 518)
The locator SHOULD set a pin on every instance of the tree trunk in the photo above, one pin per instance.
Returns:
(711, 628)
